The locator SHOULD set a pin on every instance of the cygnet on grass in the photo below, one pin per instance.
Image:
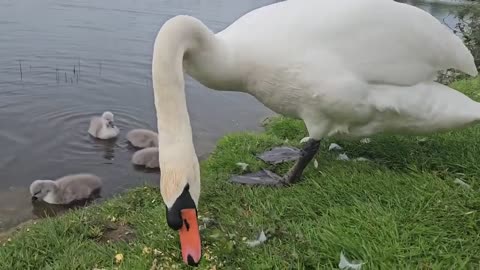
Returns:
(142, 138)
(66, 189)
(147, 157)
(103, 127)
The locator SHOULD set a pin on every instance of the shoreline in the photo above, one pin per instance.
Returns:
(393, 211)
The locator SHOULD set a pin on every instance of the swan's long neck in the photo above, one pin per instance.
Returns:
(181, 39)
(171, 45)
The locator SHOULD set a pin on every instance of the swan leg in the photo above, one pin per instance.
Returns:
(279, 155)
(306, 155)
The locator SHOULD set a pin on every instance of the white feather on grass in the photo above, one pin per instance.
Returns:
(343, 157)
(260, 240)
(334, 146)
(365, 140)
(461, 183)
(345, 264)
(242, 165)
(304, 140)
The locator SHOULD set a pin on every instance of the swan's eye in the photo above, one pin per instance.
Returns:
(36, 193)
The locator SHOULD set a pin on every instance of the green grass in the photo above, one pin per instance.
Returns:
(401, 210)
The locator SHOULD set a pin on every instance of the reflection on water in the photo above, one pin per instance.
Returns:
(107, 147)
(41, 209)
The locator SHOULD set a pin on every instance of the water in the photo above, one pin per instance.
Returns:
(443, 10)
(45, 109)
(62, 62)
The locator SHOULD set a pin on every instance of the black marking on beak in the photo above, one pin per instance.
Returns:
(191, 261)
(187, 225)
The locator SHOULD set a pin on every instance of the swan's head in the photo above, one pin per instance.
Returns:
(108, 116)
(180, 190)
(39, 189)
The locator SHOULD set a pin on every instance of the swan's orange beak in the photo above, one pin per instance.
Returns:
(190, 237)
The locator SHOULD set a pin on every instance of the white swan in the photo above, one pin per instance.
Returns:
(346, 67)
(66, 189)
(103, 127)
(142, 138)
(147, 157)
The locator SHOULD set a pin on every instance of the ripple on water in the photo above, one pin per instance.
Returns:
(68, 127)
(44, 117)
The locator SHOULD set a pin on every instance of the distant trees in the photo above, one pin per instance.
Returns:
(469, 27)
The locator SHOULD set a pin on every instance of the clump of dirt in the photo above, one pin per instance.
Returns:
(117, 232)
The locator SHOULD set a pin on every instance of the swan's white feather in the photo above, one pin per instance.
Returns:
(348, 68)
(377, 40)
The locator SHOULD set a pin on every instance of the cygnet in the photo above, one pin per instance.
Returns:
(66, 189)
(142, 138)
(103, 127)
(147, 157)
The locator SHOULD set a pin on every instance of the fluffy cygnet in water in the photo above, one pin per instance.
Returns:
(66, 189)
(103, 127)
(142, 138)
(147, 157)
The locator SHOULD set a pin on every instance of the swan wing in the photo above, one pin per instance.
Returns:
(377, 41)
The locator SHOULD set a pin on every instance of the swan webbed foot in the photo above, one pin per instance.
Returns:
(279, 155)
(260, 178)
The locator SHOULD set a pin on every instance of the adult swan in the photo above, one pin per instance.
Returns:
(346, 67)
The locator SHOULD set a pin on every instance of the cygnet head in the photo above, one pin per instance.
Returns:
(108, 116)
(41, 188)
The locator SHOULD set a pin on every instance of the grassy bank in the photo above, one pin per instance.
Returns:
(400, 210)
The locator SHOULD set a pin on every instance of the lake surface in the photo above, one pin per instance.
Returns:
(45, 109)
(62, 62)
(443, 10)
